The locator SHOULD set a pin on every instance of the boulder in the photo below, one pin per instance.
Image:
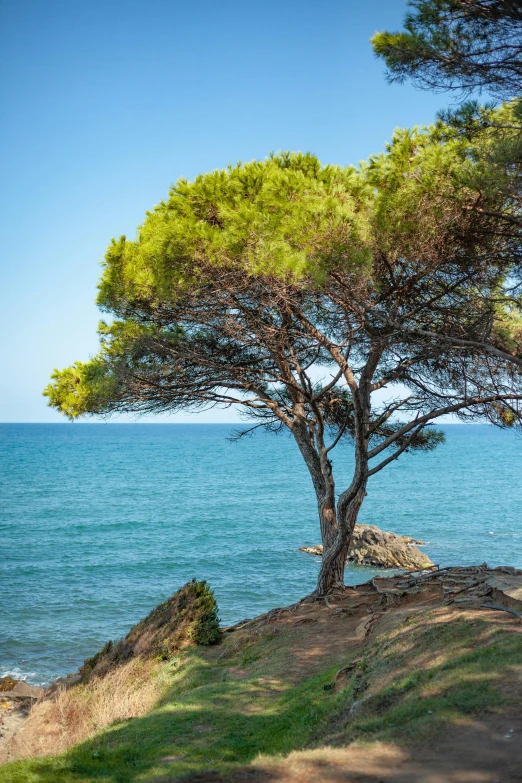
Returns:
(382, 549)
(7, 683)
(312, 550)
(18, 689)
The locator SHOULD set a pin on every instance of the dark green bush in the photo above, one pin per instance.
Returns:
(205, 629)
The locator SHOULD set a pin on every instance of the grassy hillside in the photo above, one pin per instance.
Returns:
(315, 680)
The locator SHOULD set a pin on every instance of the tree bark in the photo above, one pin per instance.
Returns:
(328, 521)
(337, 522)
(331, 575)
(321, 474)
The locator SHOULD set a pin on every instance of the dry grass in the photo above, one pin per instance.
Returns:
(188, 617)
(73, 715)
(123, 680)
(443, 680)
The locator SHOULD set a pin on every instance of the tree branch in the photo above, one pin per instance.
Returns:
(437, 414)
(398, 452)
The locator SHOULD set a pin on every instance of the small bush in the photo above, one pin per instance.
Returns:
(188, 617)
(205, 629)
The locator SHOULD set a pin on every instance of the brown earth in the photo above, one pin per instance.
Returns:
(16, 700)
(480, 753)
(12, 715)
(485, 748)
(308, 637)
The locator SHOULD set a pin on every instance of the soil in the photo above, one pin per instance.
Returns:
(13, 713)
(485, 749)
(485, 752)
(16, 700)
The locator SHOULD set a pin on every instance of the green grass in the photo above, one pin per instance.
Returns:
(212, 716)
(206, 720)
(432, 676)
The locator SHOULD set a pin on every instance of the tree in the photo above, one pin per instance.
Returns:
(296, 291)
(463, 45)
(470, 45)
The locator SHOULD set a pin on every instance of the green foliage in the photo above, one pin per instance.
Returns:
(287, 215)
(426, 440)
(457, 44)
(247, 284)
(205, 628)
(86, 387)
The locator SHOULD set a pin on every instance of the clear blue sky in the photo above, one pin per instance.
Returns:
(106, 103)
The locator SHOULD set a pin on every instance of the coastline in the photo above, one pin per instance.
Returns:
(456, 611)
(103, 538)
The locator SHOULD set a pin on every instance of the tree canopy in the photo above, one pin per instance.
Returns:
(463, 45)
(297, 291)
(469, 45)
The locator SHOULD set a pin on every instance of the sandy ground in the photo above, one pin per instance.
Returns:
(13, 713)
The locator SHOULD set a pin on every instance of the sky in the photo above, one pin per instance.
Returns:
(107, 103)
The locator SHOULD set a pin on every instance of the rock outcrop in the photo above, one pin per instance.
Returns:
(18, 689)
(16, 700)
(382, 549)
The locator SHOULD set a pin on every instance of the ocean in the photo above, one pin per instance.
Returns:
(101, 522)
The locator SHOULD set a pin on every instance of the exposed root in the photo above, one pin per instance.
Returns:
(501, 609)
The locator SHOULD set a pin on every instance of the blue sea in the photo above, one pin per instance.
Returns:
(101, 522)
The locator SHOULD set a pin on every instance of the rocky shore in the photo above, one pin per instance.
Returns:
(382, 549)
(16, 699)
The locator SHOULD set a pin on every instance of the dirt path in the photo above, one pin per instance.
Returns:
(485, 752)
(12, 715)
(483, 749)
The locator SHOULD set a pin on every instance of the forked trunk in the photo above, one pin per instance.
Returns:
(337, 523)
(328, 520)
(331, 575)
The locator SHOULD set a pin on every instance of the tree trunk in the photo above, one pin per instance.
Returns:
(328, 521)
(337, 523)
(331, 575)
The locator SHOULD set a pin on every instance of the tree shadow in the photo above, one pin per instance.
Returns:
(209, 728)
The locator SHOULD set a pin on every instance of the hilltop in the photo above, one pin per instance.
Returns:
(401, 679)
